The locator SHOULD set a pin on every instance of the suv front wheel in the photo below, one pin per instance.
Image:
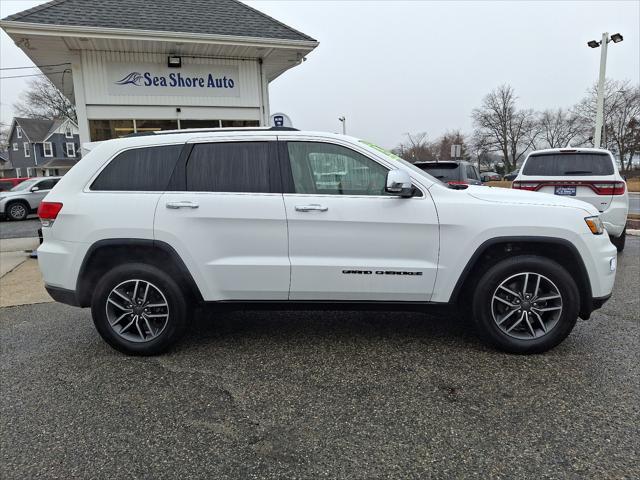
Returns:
(139, 310)
(526, 304)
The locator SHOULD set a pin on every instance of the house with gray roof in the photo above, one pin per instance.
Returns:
(42, 147)
(161, 64)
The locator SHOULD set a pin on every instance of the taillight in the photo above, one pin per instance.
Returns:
(525, 186)
(609, 188)
(48, 212)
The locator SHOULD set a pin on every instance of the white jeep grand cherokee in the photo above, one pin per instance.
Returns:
(145, 228)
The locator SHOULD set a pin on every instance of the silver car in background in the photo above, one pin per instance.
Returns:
(25, 198)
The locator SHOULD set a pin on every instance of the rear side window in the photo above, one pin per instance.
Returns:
(230, 167)
(571, 164)
(446, 172)
(471, 172)
(139, 170)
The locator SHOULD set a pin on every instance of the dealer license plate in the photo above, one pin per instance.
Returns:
(566, 190)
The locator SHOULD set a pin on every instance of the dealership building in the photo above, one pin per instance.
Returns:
(156, 65)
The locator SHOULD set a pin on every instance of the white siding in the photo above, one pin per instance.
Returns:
(96, 76)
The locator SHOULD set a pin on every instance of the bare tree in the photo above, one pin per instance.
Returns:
(621, 117)
(442, 146)
(416, 148)
(43, 100)
(559, 128)
(503, 127)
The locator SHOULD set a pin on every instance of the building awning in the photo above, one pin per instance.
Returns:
(52, 33)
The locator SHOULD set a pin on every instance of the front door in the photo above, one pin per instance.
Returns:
(227, 220)
(348, 238)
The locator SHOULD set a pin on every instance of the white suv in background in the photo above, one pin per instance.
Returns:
(586, 174)
(146, 228)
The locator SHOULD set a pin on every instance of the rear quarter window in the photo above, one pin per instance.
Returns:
(569, 164)
(146, 169)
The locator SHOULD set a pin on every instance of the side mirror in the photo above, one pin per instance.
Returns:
(399, 183)
(34, 189)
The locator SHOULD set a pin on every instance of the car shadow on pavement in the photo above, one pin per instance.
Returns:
(301, 327)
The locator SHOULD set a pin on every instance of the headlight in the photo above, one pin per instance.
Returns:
(595, 225)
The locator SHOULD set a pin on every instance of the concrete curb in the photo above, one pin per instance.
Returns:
(633, 232)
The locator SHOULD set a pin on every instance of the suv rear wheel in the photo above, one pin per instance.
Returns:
(526, 304)
(17, 210)
(139, 310)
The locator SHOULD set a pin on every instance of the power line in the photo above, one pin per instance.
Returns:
(34, 75)
(36, 66)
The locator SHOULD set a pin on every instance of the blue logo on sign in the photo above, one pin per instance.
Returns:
(134, 78)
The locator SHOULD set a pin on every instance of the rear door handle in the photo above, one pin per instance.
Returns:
(311, 208)
(184, 204)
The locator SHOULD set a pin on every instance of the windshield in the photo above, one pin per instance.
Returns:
(27, 184)
(401, 160)
(559, 164)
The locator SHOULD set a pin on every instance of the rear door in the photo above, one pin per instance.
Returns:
(225, 217)
(348, 238)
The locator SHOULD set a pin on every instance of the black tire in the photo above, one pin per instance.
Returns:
(554, 276)
(17, 210)
(619, 242)
(174, 326)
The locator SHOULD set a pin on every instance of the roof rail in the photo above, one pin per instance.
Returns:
(209, 130)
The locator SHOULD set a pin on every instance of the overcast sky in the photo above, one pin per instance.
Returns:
(396, 67)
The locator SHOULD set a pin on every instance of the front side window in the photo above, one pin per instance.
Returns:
(327, 169)
(48, 149)
(71, 149)
(27, 150)
(47, 184)
(140, 169)
(230, 167)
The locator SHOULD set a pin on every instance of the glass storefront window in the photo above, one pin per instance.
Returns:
(199, 123)
(240, 123)
(155, 125)
(108, 129)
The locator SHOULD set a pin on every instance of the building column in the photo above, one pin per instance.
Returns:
(80, 99)
(264, 96)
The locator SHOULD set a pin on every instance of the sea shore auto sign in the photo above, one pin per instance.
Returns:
(190, 80)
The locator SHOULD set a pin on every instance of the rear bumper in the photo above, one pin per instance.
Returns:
(62, 295)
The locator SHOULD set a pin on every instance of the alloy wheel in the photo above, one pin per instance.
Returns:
(137, 310)
(526, 306)
(17, 211)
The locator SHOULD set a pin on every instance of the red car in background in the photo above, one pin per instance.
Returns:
(7, 184)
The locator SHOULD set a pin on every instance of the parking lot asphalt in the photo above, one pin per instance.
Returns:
(24, 229)
(322, 395)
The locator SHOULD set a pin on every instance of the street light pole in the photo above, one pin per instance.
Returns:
(343, 120)
(600, 100)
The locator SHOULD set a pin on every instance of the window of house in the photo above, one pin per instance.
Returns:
(199, 124)
(29, 172)
(15, 147)
(71, 149)
(324, 168)
(230, 167)
(48, 149)
(143, 126)
(27, 150)
(139, 169)
(68, 133)
(240, 123)
(19, 132)
(18, 172)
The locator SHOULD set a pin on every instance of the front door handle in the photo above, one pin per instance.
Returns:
(311, 208)
(183, 204)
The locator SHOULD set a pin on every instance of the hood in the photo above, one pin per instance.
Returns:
(524, 197)
(11, 194)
